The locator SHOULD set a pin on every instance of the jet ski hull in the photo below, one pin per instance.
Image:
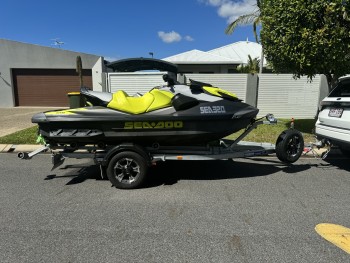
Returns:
(198, 125)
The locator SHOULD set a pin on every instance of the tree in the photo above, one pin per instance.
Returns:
(252, 66)
(79, 70)
(307, 37)
(252, 18)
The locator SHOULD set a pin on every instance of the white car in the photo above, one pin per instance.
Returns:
(333, 124)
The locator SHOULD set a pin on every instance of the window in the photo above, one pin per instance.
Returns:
(342, 89)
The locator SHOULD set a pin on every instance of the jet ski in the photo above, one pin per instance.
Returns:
(175, 114)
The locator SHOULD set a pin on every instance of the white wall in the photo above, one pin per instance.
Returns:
(286, 97)
(235, 83)
(135, 82)
(197, 68)
(279, 94)
(97, 75)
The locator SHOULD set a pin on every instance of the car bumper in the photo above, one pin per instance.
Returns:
(336, 135)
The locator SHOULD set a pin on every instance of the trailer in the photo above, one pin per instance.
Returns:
(126, 164)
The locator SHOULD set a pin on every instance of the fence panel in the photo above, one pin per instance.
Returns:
(133, 82)
(235, 83)
(286, 97)
(279, 94)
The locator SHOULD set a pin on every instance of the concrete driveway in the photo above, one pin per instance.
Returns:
(17, 118)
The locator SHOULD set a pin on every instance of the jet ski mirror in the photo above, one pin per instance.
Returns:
(169, 80)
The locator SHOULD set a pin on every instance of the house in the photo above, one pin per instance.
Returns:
(33, 75)
(197, 61)
(224, 59)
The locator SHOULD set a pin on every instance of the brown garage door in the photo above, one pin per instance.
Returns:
(46, 87)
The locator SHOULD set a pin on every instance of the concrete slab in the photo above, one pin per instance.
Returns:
(27, 147)
(2, 147)
(6, 147)
(18, 118)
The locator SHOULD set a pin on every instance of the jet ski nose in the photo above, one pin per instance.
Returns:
(248, 112)
(39, 117)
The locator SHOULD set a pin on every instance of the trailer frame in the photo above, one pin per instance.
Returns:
(137, 158)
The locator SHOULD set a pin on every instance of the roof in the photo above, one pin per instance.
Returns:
(239, 51)
(196, 56)
(53, 49)
(135, 64)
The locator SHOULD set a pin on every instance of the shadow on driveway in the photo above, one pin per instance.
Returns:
(170, 172)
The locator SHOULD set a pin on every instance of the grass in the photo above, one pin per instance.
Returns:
(263, 133)
(270, 133)
(26, 136)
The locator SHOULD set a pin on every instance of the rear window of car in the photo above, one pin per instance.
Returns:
(341, 90)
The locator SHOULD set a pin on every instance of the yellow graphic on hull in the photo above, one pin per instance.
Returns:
(65, 112)
(153, 125)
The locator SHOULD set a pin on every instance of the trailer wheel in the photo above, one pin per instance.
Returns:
(289, 146)
(127, 170)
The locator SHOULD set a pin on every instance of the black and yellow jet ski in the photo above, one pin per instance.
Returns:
(174, 114)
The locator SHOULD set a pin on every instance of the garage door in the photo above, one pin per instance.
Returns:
(46, 87)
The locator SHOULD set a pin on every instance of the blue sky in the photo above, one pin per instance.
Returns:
(122, 29)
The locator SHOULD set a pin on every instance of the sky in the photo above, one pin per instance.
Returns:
(123, 29)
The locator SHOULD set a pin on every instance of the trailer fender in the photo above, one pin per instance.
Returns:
(127, 147)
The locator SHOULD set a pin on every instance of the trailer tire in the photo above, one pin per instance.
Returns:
(289, 146)
(127, 170)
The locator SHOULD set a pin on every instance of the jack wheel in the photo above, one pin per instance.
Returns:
(289, 146)
(127, 170)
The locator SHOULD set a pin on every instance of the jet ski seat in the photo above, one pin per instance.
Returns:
(150, 101)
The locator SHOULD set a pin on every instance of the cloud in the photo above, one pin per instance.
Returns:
(212, 2)
(111, 59)
(173, 36)
(230, 9)
(189, 38)
(169, 37)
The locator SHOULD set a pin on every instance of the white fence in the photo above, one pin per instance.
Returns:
(235, 83)
(133, 82)
(287, 97)
(243, 85)
(281, 95)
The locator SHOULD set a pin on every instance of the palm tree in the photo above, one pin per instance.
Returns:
(251, 67)
(253, 64)
(252, 18)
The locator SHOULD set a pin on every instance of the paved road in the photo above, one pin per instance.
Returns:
(241, 211)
